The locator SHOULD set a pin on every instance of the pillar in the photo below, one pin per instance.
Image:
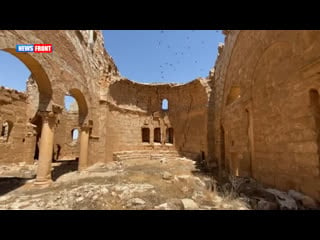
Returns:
(84, 142)
(46, 148)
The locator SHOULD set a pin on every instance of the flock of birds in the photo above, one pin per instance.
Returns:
(178, 55)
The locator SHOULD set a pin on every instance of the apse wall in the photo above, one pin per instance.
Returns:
(135, 115)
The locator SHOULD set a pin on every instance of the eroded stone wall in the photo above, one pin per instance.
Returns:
(65, 147)
(266, 87)
(132, 106)
(257, 114)
(79, 65)
(18, 137)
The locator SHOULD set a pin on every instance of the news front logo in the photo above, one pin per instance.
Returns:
(36, 48)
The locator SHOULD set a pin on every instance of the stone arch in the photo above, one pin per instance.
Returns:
(82, 104)
(39, 75)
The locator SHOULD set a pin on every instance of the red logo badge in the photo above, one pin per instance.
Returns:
(42, 48)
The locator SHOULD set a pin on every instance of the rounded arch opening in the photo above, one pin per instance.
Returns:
(75, 134)
(82, 104)
(38, 74)
(165, 104)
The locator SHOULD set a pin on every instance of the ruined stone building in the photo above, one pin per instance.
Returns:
(257, 113)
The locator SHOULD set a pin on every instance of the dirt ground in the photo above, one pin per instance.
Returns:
(175, 184)
(134, 184)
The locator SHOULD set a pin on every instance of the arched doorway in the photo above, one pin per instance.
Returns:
(65, 140)
(39, 75)
(85, 126)
(71, 138)
(22, 109)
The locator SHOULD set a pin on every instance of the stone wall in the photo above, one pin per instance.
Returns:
(65, 147)
(266, 86)
(257, 114)
(17, 140)
(79, 65)
(132, 106)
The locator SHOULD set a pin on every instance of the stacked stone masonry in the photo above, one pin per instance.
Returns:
(256, 114)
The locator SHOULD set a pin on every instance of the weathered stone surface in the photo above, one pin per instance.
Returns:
(253, 129)
(265, 205)
(309, 203)
(167, 176)
(306, 201)
(256, 114)
(189, 204)
(163, 206)
(284, 200)
(174, 204)
(296, 195)
(171, 204)
(135, 202)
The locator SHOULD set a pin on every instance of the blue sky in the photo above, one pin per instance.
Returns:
(144, 56)
(163, 55)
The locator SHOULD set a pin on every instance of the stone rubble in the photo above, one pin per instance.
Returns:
(261, 198)
(92, 190)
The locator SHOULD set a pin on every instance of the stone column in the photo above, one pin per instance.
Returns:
(84, 142)
(46, 148)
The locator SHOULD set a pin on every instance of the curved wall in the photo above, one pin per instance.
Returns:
(132, 106)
